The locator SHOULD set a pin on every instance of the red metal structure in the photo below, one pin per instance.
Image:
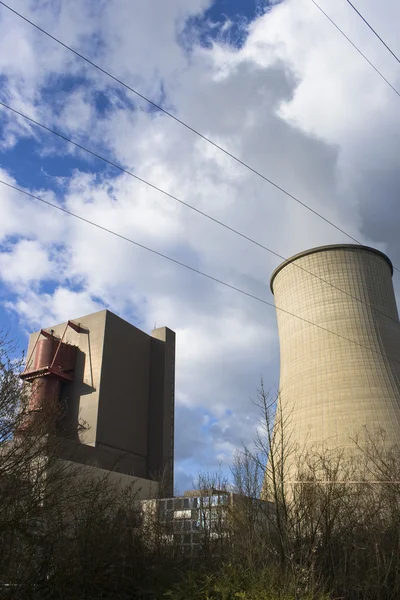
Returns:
(52, 362)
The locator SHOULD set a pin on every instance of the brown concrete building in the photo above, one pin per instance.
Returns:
(340, 363)
(116, 380)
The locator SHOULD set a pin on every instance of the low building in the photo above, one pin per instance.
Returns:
(200, 518)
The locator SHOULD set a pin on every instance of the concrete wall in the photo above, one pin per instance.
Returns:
(124, 399)
(162, 407)
(123, 392)
(142, 489)
(331, 388)
(82, 396)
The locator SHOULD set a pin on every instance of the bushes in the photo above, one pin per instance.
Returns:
(232, 582)
(63, 536)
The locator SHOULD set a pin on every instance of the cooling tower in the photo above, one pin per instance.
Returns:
(340, 363)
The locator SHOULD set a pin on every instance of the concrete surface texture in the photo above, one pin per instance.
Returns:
(123, 393)
(140, 489)
(341, 379)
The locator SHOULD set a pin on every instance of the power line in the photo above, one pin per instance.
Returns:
(373, 31)
(192, 129)
(193, 269)
(172, 116)
(190, 206)
(184, 203)
(355, 47)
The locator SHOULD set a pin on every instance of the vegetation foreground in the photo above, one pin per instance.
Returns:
(64, 536)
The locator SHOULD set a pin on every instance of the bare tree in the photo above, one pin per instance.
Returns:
(250, 516)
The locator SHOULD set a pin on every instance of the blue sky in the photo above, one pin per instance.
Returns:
(277, 86)
(25, 160)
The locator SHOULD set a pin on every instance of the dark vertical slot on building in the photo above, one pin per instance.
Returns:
(161, 411)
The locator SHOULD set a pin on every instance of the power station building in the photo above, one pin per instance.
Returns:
(340, 361)
(118, 382)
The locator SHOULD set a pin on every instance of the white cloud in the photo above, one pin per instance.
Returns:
(26, 263)
(23, 216)
(296, 102)
(43, 310)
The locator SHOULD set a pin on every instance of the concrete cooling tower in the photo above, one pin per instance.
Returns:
(343, 375)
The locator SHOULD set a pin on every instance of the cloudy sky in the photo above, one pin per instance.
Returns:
(277, 86)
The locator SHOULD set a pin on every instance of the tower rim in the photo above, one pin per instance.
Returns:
(325, 249)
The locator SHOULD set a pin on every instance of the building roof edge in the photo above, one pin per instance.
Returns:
(327, 248)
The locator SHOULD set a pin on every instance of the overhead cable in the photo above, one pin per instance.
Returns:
(354, 46)
(175, 118)
(193, 269)
(373, 31)
(187, 205)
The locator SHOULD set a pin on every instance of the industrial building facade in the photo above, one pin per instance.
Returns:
(340, 363)
(118, 382)
(204, 516)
